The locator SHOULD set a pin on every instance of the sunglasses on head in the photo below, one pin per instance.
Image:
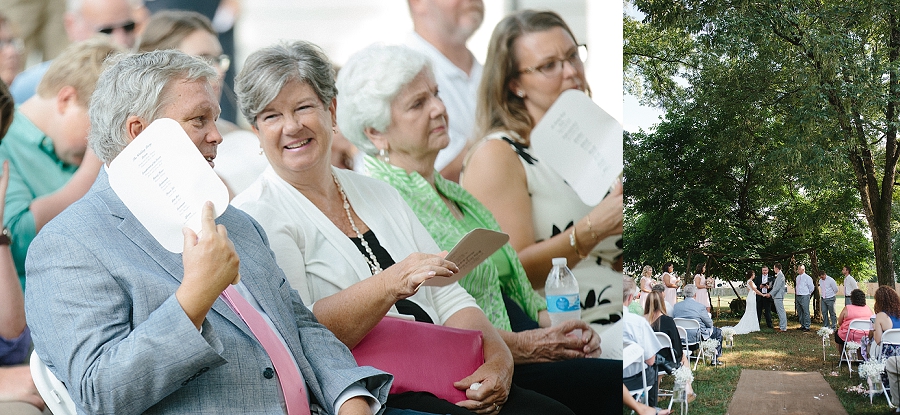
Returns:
(128, 27)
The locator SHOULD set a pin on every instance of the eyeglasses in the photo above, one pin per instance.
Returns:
(221, 62)
(553, 68)
(16, 44)
(128, 27)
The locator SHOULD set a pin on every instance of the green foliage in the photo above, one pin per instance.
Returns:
(784, 140)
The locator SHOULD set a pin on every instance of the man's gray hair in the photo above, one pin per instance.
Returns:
(267, 70)
(629, 287)
(369, 82)
(136, 85)
(689, 291)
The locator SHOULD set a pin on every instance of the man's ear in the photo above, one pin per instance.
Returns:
(134, 125)
(65, 97)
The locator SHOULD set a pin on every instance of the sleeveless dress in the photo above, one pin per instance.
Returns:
(555, 207)
(646, 284)
(702, 296)
(671, 294)
(749, 322)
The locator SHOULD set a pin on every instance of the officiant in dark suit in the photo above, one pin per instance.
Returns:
(764, 303)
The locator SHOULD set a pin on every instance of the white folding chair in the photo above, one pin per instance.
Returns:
(888, 338)
(665, 341)
(691, 325)
(632, 353)
(860, 325)
(53, 392)
(682, 333)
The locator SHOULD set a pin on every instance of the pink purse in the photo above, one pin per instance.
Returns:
(422, 357)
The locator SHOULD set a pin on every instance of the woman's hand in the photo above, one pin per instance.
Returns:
(606, 218)
(555, 343)
(404, 278)
(487, 388)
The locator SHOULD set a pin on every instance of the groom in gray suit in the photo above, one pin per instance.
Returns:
(132, 328)
(778, 290)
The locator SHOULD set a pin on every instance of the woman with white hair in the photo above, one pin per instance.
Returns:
(390, 106)
(349, 244)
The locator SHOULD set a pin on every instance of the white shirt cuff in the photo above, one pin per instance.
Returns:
(353, 391)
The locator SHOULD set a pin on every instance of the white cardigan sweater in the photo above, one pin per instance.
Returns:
(319, 260)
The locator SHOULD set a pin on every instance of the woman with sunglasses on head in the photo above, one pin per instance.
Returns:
(532, 59)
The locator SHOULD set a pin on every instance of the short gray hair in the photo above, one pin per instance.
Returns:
(689, 291)
(369, 82)
(135, 85)
(267, 70)
(628, 287)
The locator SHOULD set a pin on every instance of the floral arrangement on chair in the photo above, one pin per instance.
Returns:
(825, 333)
(708, 348)
(852, 347)
(871, 371)
(728, 336)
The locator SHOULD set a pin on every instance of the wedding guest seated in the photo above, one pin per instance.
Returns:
(130, 327)
(350, 244)
(18, 395)
(389, 104)
(655, 313)
(639, 407)
(690, 308)
(661, 288)
(857, 309)
(887, 316)
(638, 331)
(533, 57)
(46, 146)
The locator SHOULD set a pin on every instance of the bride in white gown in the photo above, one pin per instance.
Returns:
(750, 321)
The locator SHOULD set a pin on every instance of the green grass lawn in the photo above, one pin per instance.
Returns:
(771, 350)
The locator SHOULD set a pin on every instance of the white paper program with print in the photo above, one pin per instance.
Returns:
(582, 143)
(164, 181)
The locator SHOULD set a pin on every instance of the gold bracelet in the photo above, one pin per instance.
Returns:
(573, 240)
(591, 229)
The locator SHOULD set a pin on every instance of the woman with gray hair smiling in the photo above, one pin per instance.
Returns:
(390, 107)
(349, 244)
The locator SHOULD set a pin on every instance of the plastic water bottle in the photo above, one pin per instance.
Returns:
(561, 290)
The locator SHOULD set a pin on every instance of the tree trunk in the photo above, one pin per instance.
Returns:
(884, 261)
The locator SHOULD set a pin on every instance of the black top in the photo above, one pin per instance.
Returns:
(385, 260)
(666, 324)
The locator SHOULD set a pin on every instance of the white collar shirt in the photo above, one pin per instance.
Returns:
(828, 287)
(805, 285)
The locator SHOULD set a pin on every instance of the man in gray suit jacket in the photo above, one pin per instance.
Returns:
(690, 308)
(130, 327)
(778, 290)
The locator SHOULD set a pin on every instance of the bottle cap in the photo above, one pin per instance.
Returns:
(559, 261)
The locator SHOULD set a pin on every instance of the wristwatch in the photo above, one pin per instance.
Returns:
(5, 237)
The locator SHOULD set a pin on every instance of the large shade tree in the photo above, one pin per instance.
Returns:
(807, 90)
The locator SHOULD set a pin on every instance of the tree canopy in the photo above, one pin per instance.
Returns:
(781, 138)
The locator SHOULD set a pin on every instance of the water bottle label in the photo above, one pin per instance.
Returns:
(563, 303)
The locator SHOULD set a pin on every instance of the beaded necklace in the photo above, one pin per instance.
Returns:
(370, 259)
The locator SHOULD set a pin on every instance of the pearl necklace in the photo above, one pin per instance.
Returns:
(370, 259)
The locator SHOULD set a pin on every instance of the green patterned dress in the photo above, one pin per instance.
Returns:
(501, 273)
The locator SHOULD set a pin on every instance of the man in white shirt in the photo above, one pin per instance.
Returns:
(803, 291)
(637, 330)
(441, 30)
(849, 284)
(828, 289)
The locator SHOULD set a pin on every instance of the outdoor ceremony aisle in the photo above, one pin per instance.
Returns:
(775, 392)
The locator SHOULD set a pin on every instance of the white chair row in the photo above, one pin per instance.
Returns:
(690, 325)
(633, 353)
